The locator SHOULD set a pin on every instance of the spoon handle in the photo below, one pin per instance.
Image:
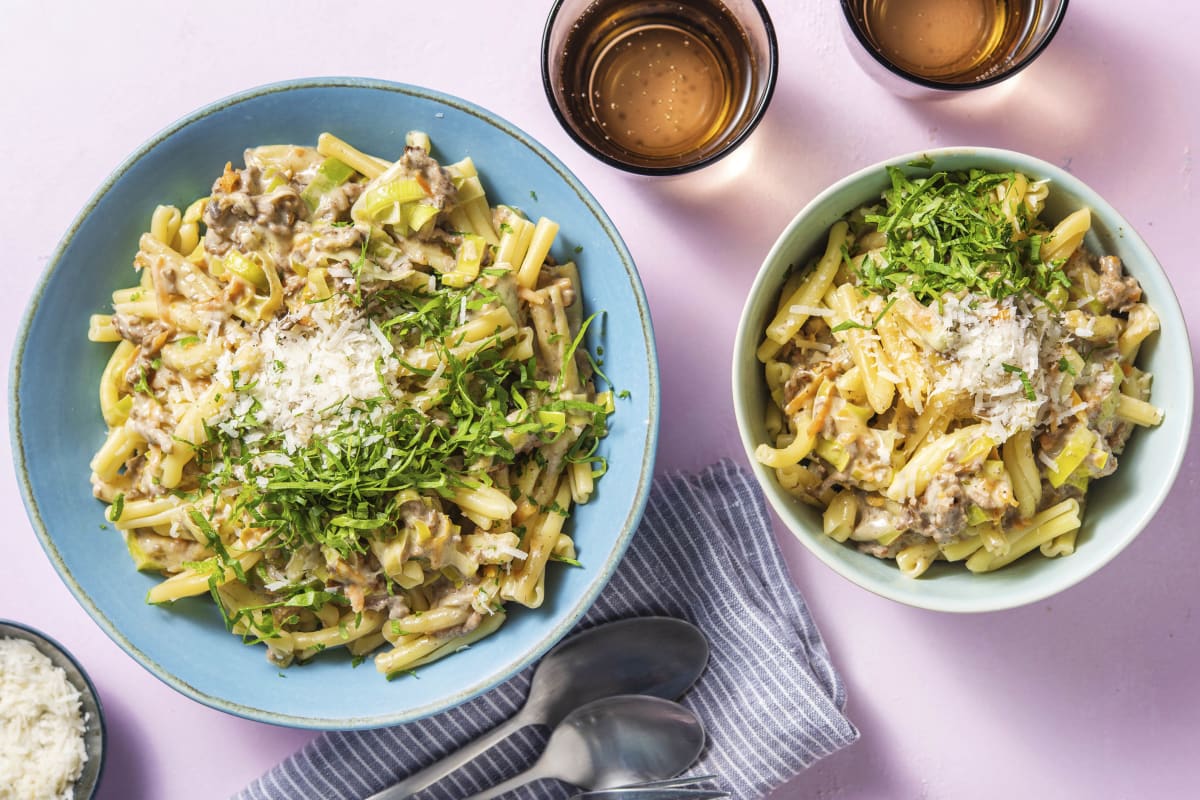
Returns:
(459, 758)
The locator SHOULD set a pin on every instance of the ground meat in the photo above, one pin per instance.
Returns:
(941, 512)
(434, 548)
(448, 595)
(150, 335)
(803, 377)
(238, 216)
(436, 180)
(1068, 491)
(800, 380)
(1117, 292)
(333, 240)
(151, 421)
(336, 202)
(395, 605)
(227, 216)
(279, 210)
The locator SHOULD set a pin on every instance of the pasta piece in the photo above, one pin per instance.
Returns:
(535, 255)
(919, 471)
(864, 347)
(794, 451)
(192, 582)
(1139, 412)
(1017, 452)
(1048, 524)
(840, 516)
(1067, 235)
(915, 559)
(786, 323)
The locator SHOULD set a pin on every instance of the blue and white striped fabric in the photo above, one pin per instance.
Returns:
(770, 700)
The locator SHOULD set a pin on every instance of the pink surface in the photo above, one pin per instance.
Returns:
(1090, 694)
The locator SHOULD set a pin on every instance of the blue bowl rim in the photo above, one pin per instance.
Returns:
(478, 687)
(30, 633)
(746, 340)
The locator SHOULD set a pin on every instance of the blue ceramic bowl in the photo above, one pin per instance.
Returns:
(89, 701)
(56, 423)
(1118, 507)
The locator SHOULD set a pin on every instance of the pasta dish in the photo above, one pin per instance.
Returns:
(951, 374)
(350, 401)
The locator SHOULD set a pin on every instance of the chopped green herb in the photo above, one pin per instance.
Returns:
(142, 385)
(949, 232)
(118, 507)
(848, 324)
(1030, 394)
(1065, 366)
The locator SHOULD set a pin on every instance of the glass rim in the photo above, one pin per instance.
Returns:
(928, 83)
(759, 111)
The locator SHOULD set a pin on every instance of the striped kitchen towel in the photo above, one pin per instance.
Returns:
(771, 701)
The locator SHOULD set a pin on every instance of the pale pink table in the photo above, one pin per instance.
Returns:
(1090, 695)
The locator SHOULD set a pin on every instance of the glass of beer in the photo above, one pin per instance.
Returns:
(659, 87)
(929, 48)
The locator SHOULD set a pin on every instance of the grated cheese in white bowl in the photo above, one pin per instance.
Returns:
(42, 749)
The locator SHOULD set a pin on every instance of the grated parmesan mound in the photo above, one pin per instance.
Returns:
(313, 368)
(986, 335)
(41, 726)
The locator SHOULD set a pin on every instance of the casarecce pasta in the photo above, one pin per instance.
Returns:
(951, 374)
(350, 401)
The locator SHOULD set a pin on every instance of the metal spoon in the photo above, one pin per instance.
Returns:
(657, 656)
(613, 742)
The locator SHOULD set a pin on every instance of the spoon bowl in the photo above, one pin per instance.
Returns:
(622, 740)
(613, 742)
(658, 656)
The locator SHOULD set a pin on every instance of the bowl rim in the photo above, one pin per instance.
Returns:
(475, 686)
(746, 340)
(10, 628)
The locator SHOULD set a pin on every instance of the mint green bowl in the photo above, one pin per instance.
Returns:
(1119, 507)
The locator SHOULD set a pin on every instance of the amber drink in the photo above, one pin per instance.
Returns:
(953, 44)
(656, 86)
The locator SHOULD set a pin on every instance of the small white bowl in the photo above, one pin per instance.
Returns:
(94, 732)
(1118, 507)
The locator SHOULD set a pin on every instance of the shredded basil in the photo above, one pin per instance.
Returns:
(948, 233)
(1025, 382)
